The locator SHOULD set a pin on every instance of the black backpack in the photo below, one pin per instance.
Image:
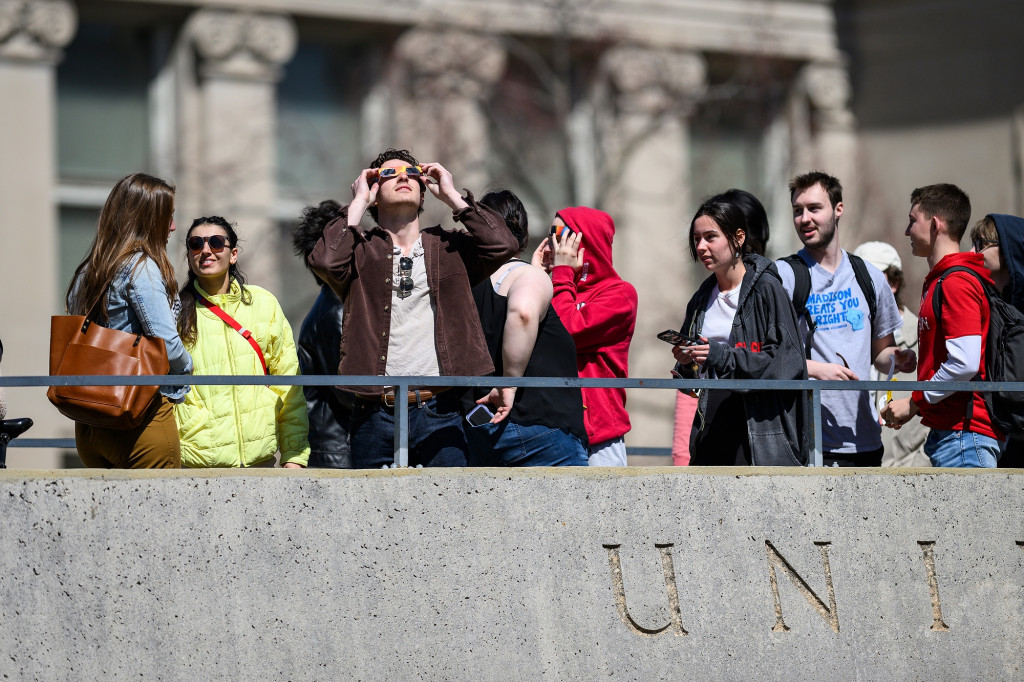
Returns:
(802, 289)
(1004, 355)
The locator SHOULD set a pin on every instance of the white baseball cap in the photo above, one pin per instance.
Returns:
(883, 256)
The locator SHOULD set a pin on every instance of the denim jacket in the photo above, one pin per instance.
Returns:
(137, 303)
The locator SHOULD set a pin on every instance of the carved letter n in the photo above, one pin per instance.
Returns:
(830, 614)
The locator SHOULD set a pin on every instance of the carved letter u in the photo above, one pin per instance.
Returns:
(675, 624)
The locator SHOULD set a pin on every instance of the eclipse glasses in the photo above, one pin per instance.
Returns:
(395, 171)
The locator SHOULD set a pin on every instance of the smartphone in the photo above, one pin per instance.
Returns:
(678, 339)
(479, 416)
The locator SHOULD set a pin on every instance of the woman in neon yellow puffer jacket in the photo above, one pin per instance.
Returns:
(236, 426)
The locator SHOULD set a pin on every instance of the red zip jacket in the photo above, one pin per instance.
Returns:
(965, 312)
(599, 309)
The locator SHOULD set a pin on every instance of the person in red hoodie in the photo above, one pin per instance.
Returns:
(599, 309)
(953, 349)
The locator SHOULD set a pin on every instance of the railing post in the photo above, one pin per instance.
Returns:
(816, 410)
(402, 425)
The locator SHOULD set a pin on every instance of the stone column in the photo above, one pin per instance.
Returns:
(441, 77)
(241, 58)
(31, 37)
(834, 143)
(654, 92)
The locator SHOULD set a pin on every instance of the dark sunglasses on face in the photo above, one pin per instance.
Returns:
(980, 244)
(217, 243)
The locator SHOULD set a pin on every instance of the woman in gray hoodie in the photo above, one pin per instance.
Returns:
(745, 328)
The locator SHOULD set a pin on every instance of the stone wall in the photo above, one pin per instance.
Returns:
(498, 574)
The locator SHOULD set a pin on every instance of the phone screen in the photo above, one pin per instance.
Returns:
(678, 339)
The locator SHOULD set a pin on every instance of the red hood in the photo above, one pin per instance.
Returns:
(598, 230)
(974, 261)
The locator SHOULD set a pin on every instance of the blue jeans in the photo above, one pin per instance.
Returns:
(436, 438)
(961, 449)
(507, 444)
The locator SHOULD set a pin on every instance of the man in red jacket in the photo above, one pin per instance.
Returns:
(953, 349)
(599, 309)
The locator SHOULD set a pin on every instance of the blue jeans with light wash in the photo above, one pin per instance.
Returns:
(507, 444)
(962, 449)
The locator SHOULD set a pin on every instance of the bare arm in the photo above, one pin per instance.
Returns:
(529, 293)
(528, 297)
(829, 371)
(884, 348)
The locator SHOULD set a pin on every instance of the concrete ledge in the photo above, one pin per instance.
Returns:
(487, 574)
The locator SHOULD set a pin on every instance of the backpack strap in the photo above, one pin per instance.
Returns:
(231, 322)
(801, 290)
(937, 310)
(937, 291)
(867, 286)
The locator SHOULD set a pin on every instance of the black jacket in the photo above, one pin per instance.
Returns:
(319, 347)
(765, 345)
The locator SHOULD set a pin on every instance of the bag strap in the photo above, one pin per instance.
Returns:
(937, 291)
(801, 290)
(867, 287)
(231, 322)
(937, 310)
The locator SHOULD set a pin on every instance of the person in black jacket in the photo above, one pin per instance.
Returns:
(319, 345)
(747, 329)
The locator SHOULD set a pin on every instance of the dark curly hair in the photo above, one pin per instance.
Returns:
(508, 206)
(187, 329)
(391, 154)
(310, 229)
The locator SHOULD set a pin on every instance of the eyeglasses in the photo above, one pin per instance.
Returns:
(405, 284)
(980, 244)
(217, 243)
(395, 171)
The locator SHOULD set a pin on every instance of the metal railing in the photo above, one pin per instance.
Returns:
(403, 384)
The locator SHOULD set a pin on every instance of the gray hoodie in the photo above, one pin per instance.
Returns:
(765, 345)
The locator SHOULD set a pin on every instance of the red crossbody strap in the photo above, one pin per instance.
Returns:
(231, 322)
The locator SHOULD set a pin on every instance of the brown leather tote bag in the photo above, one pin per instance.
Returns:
(79, 345)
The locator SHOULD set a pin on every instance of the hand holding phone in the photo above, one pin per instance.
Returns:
(679, 339)
(479, 416)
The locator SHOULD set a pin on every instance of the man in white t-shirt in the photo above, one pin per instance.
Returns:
(850, 333)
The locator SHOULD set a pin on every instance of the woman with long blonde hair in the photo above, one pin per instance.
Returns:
(126, 282)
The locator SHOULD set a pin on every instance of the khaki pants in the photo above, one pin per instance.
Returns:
(154, 445)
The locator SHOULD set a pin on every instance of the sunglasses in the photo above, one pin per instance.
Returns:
(395, 171)
(981, 244)
(405, 284)
(217, 243)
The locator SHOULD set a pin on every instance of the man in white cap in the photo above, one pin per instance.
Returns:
(905, 447)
